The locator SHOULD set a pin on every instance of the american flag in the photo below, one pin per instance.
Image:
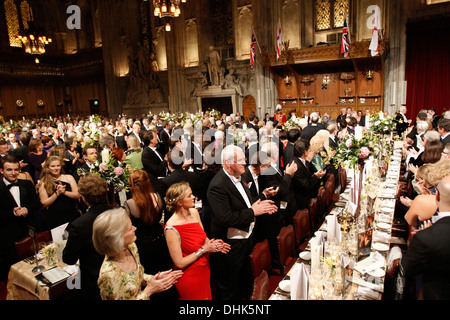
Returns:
(345, 39)
(253, 49)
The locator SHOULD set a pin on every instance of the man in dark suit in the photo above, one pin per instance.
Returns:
(304, 184)
(136, 130)
(19, 201)
(251, 137)
(293, 135)
(310, 130)
(164, 137)
(175, 161)
(93, 191)
(233, 218)
(332, 128)
(21, 153)
(194, 150)
(271, 176)
(252, 124)
(153, 161)
(429, 253)
(90, 156)
(401, 120)
(365, 119)
(444, 130)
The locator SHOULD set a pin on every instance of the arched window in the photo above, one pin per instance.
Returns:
(330, 14)
(15, 19)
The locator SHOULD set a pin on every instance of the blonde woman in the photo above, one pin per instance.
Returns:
(121, 275)
(58, 193)
(134, 153)
(188, 244)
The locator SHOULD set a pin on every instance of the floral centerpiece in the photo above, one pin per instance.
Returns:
(292, 122)
(352, 151)
(49, 252)
(113, 173)
(383, 124)
(215, 114)
(166, 116)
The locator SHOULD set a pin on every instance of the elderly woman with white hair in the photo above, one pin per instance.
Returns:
(121, 274)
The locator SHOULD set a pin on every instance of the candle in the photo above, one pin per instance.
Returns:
(358, 133)
(105, 155)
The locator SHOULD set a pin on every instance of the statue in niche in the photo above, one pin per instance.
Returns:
(230, 82)
(214, 65)
(201, 84)
(143, 76)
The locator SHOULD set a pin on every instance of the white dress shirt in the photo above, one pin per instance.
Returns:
(15, 192)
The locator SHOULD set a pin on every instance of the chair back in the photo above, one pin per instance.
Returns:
(261, 287)
(323, 202)
(25, 248)
(286, 247)
(260, 258)
(343, 179)
(314, 212)
(302, 226)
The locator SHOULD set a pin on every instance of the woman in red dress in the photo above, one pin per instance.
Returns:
(188, 245)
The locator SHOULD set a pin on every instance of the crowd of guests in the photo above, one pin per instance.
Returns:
(201, 193)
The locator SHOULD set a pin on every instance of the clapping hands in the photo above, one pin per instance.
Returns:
(213, 245)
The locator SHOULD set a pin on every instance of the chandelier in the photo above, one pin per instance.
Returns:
(167, 9)
(34, 44)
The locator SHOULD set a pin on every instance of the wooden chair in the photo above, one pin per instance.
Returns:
(302, 229)
(261, 260)
(25, 248)
(323, 204)
(343, 179)
(314, 213)
(286, 249)
(261, 287)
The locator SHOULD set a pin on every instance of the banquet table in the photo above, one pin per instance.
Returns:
(24, 284)
(362, 285)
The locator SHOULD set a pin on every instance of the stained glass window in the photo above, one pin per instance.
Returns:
(12, 21)
(330, 14)
(16, 18)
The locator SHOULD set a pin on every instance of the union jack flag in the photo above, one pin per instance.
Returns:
(253, 49)
(345, 39)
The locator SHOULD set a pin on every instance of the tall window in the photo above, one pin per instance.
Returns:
(330, 14)
(16, 19)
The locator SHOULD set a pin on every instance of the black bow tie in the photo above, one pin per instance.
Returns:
(15, 184)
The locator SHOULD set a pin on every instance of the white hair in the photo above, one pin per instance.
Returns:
(270, 148)
(251, 135)
(432, 135)
(303, 123)
(228, 153)
(422, 126)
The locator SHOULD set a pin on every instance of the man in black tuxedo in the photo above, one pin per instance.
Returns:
(365, 119)
(233, 219)
(195, 149)
(401, 120)
(90, 156)
(332, 128)
(21, 153)
(79, 246)
(271, 176)
(310, 130)
(175, 161)
(429, 253)
(252, 122)
(251, 137)
(444, 130)
(305, 184)
(293, 135)
(164, 137)
(136, 130)
(153, 161)
(19, 201)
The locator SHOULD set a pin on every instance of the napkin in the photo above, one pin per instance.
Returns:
(384, 218)
(333, 229)
(380, 237)
(317, 245)
(58, 233)
(299, 282)
(372, 262)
